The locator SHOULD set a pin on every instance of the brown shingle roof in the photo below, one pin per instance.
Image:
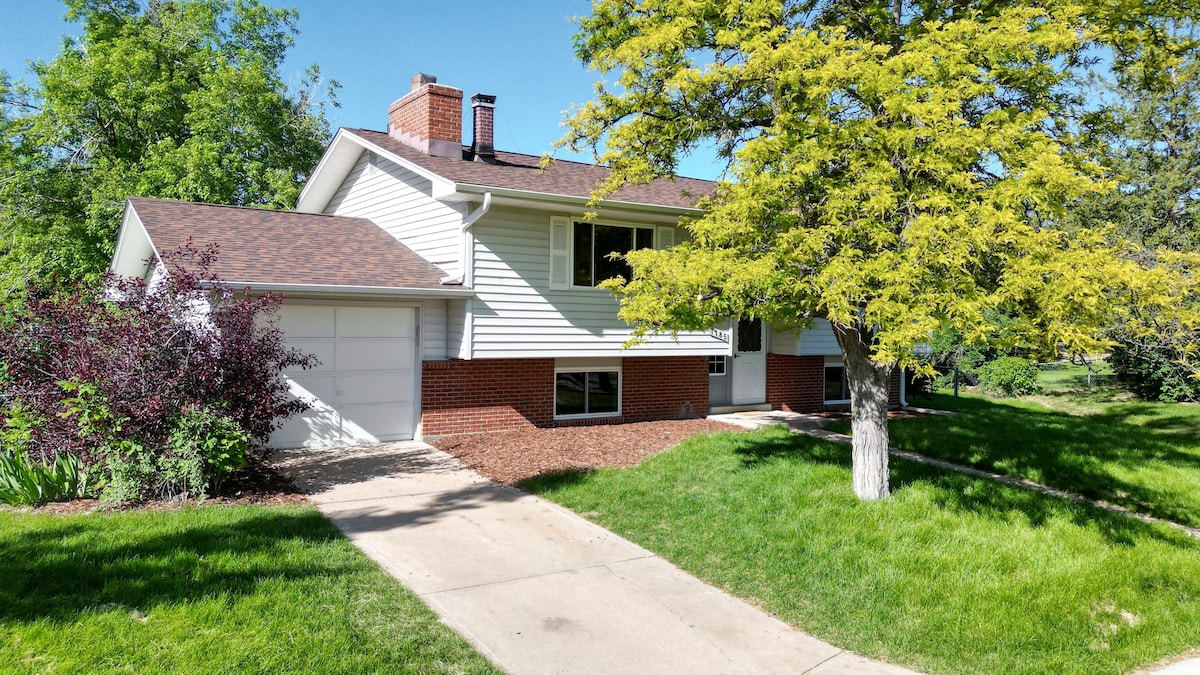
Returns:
(515, 171)
(259, 246)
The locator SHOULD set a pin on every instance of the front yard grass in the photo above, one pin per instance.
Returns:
(213, 590)
(1144, 456)
(951, 574)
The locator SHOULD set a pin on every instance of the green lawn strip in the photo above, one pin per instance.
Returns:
(951, 574)
(214, 590)
(1141, 455)
(1070, 377)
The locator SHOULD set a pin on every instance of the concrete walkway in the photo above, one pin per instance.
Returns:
(537, 588)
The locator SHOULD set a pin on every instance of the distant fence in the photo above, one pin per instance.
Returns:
(1057, 375)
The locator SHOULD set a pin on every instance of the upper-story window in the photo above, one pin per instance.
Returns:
(594, 244)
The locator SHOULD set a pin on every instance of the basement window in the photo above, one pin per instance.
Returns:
(837, 389)
(584, 393)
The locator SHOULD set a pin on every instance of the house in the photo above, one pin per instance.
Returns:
(450, 288)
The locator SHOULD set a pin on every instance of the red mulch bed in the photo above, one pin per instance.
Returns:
(260, 486)
(510, 457)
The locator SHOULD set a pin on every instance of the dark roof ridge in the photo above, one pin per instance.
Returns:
(267, 209)
(467, 148)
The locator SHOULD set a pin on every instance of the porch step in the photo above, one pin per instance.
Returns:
(725, 409)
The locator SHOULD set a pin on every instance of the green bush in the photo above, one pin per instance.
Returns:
(1008, 376)
(205, 448)
(1156, 369)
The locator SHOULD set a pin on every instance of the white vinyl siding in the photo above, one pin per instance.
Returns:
(818, 340)
(400, 202)
(434, 330)
(516, 314)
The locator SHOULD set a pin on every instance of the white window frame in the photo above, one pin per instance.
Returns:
(724, 366)
(834, 363)
(588, 366)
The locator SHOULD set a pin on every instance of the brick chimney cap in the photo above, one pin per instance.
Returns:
(487, 100)
(422, 79)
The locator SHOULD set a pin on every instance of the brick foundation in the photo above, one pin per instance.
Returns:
(462, 397)
(663, 388)
(797, 384)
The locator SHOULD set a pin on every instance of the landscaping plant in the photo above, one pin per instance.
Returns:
(163, 388)
(1009, 376)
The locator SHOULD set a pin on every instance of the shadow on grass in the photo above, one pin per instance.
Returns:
(553, 480)
(960, 493)
(1079, 453)
(60, 568)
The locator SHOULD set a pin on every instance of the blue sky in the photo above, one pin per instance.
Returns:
(519, 51)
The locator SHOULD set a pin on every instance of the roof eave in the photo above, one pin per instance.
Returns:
(580, 203)
(338, 289)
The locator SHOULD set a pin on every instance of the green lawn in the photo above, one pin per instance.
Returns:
(950, 575)
(1142, 455)
(213, 590)
(1070, 377)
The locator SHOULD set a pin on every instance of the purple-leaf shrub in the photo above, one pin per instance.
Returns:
(151, 351)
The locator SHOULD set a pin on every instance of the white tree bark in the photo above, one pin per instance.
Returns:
(869, 384)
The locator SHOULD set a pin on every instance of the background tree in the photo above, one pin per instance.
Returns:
(179, 99)
(893, 167)
(1148, 137)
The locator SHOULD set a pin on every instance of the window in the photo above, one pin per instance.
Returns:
(587, 393)
(836, 388)
(749, 335)
(716, 365)
(593, 244)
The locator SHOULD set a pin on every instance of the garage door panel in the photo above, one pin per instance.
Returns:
(324, 350)
(311, 429)
(376, 322)
(371, 423)
(376, 355)
(374, 388)
(305, 321)
(314, 389)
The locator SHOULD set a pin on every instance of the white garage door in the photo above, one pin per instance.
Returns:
(364, 390)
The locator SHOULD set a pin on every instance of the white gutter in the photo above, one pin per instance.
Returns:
(466, 276)
(334, 289)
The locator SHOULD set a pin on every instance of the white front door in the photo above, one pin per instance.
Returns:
(749, 363)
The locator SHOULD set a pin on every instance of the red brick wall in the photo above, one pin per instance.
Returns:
(797, 383)
(463, 397)
(657, 388)
(433, 111)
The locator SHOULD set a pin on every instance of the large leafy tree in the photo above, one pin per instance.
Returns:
(893, 167)
(179, 99)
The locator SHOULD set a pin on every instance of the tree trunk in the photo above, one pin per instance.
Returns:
(869, 384)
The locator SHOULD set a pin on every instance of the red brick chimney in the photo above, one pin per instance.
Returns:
(484, 108)
(429, 118)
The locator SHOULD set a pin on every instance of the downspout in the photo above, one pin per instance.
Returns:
(903, 382)
(466, 276)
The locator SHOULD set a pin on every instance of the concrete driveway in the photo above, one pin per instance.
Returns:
(537, 588)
